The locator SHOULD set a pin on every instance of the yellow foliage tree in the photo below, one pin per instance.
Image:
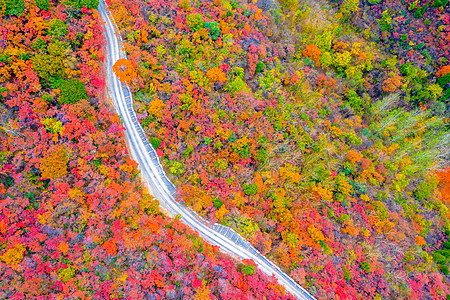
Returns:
(343, 186)
(203, 294)
(239, 199)
(315, 233)
(288, 173)
(222, 211)
(156, 107)
(322, 192)
(260, 183)
(349, 7)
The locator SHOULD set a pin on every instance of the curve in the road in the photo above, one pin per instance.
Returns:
(161, 187)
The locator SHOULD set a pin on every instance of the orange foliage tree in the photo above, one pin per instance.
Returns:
(124, 70)
(313, 52)
(391, 84)
(54, 164)
(444, 185)
(443, 71)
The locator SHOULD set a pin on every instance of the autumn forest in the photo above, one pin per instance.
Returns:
(317, 130)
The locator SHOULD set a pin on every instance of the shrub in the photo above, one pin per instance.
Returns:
(72, 91)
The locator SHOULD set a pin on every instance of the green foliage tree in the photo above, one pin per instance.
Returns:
(425, 188)
(155, 142)
(348, 7)
(217, 203)
(260, 66)
(385, 21)
(39, 44)
(214, 30)
(56, 48)
(250, 189)
(354, 100)
(42, 4)
(72, 91)
(194, 22)
(439, 3)
(57, 28)
(249, 270)
(176, 168)
(420, 11)
(78, 4)
(347, 273)
(48, 66)
(13, 7)
(365, 265)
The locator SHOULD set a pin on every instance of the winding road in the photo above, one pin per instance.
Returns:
(157, 182)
